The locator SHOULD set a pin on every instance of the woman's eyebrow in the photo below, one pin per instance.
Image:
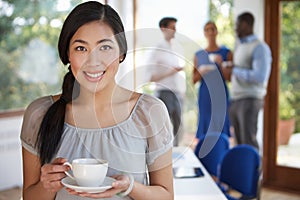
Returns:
(98, 42)
(79, 41)
(105, 40)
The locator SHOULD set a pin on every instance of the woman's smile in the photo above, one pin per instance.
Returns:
(94, 76)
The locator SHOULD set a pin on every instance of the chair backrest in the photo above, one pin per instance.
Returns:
(211, 149)
(240, 169)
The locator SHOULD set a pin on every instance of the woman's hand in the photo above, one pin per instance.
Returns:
(120, 185)
(227, 71)
(51, 174)
(218, 59)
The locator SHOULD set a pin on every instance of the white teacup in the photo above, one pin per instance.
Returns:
(88, 172)
(212, 57)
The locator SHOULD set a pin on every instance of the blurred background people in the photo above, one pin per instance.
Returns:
(166, 70)
(207, 70)
(249, 79)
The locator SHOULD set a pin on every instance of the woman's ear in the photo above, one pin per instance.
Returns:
(121, 58)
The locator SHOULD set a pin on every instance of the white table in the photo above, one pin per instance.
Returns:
(193, 188)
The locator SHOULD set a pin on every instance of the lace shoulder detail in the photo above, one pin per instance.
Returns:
(152, 119)
(31, 122)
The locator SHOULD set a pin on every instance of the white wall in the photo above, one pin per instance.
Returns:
(10, 153)
(125, 75)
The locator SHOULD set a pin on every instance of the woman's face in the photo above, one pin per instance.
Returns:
(210, 31)
(94, 56)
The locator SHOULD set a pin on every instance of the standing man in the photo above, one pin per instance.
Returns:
(166, 70)
(249, 79)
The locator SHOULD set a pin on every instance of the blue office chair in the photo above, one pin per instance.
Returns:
(211, 149)
(240, 170)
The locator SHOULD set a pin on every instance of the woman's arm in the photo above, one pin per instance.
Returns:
(41, 182)
(159, 75)
(227, 70)
(161, 181)
(196, 74)
(229, 56)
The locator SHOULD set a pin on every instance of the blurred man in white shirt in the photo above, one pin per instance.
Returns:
(166, 70)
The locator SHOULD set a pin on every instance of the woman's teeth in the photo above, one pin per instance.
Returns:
(96, 75)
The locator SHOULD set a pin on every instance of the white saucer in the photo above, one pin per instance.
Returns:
(70, 183)
(208, 66)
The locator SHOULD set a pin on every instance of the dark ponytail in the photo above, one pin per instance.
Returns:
(51, 128)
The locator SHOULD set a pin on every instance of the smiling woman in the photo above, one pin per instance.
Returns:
(94, 117)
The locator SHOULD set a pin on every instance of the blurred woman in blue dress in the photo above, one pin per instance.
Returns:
(213, 95)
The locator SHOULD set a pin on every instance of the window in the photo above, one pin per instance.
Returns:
(30, 65)
(289, 96)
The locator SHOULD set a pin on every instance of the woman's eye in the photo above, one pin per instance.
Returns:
(80, 48)
(105, 47)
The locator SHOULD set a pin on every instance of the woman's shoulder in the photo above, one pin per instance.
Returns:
(32, 119)
(150, 107)
(149, 101)
(224, 48)
(39, 106)
(201, 52)
(41, 102)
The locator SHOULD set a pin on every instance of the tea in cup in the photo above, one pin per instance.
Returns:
(88, 172)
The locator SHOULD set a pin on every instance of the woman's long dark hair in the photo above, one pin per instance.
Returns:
(52, 126)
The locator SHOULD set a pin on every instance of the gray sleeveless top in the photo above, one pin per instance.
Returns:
(130, 146)
(243, 59)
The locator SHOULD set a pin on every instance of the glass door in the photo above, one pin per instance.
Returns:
(288, 138)
(280, 157)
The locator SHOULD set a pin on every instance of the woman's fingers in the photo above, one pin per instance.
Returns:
(51, 174)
